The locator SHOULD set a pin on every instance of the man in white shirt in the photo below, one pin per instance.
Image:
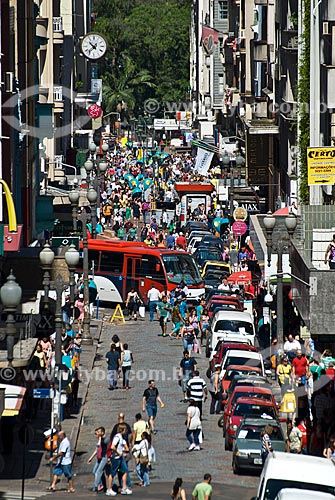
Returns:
(291, 346)
(64, 460)
(153, 299)
(224, 285)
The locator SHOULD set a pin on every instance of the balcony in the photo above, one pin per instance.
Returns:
(57, 24)
(290, 40)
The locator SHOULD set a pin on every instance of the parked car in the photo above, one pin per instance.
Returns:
(217, 291)
(222, 347)
(247, 445)
(205, 253)
(247, 407)
(232, 324)
(212, 279)
(246, 392)
(194, 225)
(241, 357)
(220, 267)
(239, 372)
(256, 380)
(280, 471)
(212, 241)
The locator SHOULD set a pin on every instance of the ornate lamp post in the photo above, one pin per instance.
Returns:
(279, 247)
(87, 338)
(72, 260)
(10, 294)
(46, 259)
(74, 199)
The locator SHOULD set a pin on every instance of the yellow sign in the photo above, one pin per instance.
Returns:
(240, 213)
(12, 226)
(118, 314)
(321, 166)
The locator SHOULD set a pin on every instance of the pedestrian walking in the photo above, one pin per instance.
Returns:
(177, 319)
(139, 427)
(128, 437)
(132, 303)
(113, 359)
(149, 403)
(186, 368)
(126, 362)
(116, 461)
(197, 389)
(203, 490)
(101, 460)
(215, 391)
(63, 457)
(330, 254)
(164, 308)
(178, 492)
(265, 437)
(141, 454)
(193, 426)
(188, 335)
(153, 299)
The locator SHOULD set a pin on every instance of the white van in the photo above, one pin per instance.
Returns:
(296, 494)
(288, 470)
(232, 326)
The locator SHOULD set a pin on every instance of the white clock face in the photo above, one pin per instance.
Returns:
(93, 46)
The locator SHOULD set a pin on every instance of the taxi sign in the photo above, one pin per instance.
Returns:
(240, 213)
(321, 166)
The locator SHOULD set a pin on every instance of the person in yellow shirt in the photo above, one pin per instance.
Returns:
(284, 371)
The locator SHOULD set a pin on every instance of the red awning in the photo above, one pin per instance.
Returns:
(243, 278)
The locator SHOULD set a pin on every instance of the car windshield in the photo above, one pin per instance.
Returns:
(181, 268)
(254, 431)
(204, 255)
(273, 486)
(249, 394)
(230, 374)
(243, 409)
(234, 326)
(239, 360)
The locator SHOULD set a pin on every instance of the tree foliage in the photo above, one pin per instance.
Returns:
(148, 51)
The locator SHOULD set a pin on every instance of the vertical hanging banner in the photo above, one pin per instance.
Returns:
(203, 161)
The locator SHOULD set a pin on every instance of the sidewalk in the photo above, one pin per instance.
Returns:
(37, 470)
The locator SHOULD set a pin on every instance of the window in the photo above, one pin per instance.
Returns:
(223, 9)
(181, 268)
(93, 260)
(151, 268)
(111, 262)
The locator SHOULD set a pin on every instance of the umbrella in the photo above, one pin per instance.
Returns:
(218, 221)
(147, 183)
(137, 191)
(242, 277)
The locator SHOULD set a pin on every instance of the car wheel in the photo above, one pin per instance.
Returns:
(221, 423)
(226, 443)
(236, 468)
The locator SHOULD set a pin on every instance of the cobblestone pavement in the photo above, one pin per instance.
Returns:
(155, 357)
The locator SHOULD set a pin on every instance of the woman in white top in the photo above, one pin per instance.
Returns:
(193, 426)
(126, 362)
(132, 303)
(142, 459)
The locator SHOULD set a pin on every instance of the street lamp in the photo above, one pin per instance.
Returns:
(87, 338)
(283, 243)
(74, 199)
(46, 259)
(72, 260)
(10, 294)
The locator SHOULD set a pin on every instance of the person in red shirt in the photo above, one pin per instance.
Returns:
(300, 367)
(302, 427)
(181, 240)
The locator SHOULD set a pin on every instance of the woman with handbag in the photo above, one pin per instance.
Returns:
(193, 426)
(132, 303)
(141, 454)
(116, 461)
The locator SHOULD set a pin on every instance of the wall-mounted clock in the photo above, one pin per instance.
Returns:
(93, 46)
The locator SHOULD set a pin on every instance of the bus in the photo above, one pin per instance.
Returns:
(121, 265)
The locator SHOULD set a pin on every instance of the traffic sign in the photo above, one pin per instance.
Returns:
(41, 393)
(239, 227)
(240, 213)
(65, 241)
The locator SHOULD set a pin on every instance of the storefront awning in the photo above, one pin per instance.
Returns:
(14, 395)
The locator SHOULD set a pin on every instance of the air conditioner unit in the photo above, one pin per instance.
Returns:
(325, 28)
